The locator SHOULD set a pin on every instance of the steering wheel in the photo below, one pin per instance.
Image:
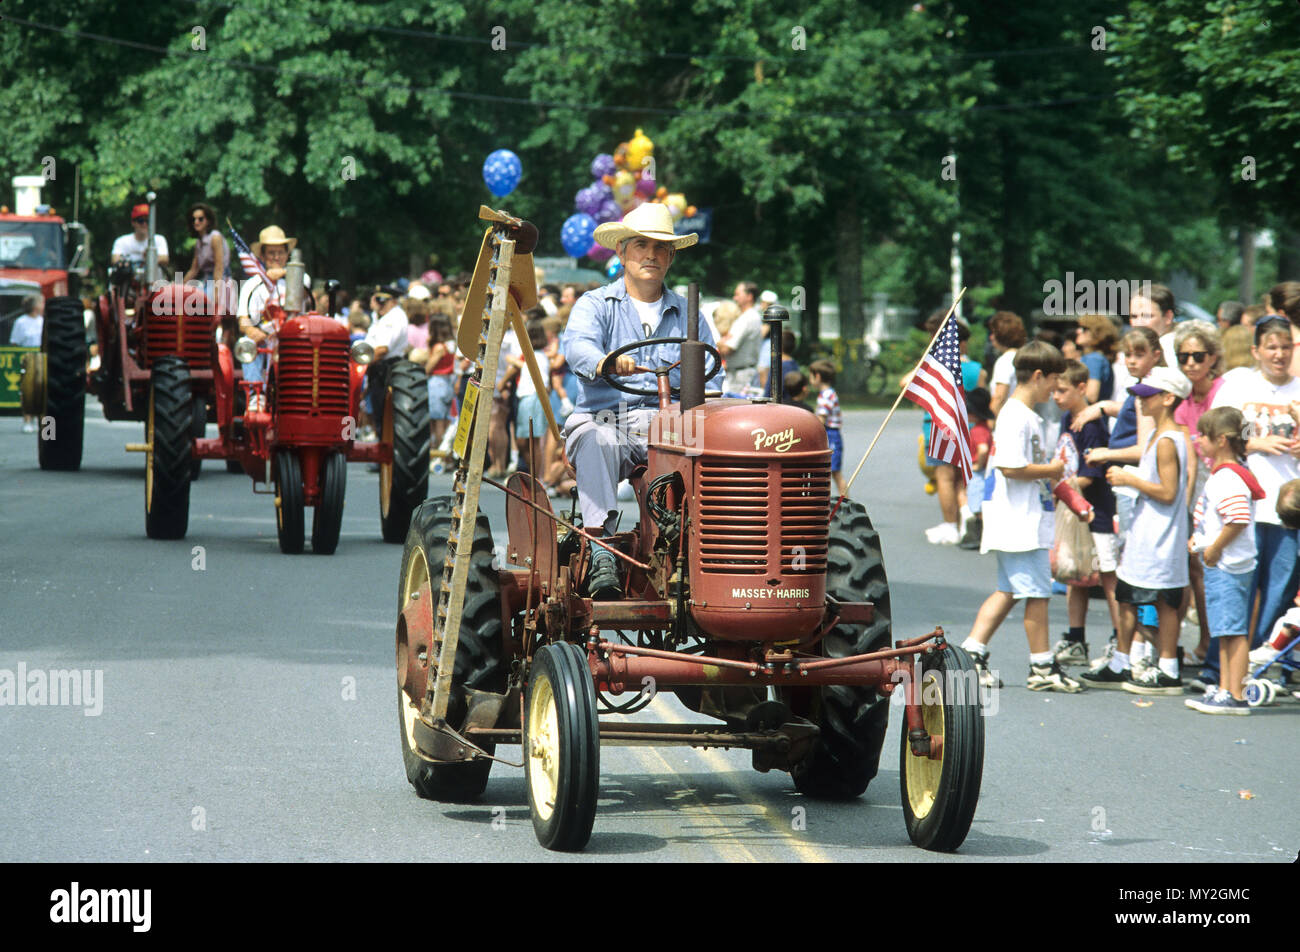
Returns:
(612, 358)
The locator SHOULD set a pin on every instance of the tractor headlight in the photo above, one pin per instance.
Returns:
(362, 353)
(245, 350)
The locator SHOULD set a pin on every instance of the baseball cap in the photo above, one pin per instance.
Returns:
(139, 211)
(1162, 380)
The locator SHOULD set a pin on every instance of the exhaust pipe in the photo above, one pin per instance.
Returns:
(693, 353)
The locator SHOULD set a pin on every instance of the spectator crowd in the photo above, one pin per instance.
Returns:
(1181, 443)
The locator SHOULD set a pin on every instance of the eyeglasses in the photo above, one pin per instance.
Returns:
(140, 221)
(1196, 355)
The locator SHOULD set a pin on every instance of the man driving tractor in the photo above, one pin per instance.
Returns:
(606, 435)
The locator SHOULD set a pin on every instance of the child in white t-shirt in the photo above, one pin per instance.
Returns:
(1223, 524)
(1018, 522)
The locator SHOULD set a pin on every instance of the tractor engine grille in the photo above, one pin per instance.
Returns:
(188, 336)
(312, 379)
(763, 517)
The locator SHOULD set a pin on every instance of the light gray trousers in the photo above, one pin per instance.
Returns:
(604, 448)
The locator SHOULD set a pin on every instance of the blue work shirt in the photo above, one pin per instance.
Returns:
(604, 320)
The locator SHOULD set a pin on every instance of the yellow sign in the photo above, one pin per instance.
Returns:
(466, 423)
(11, 373)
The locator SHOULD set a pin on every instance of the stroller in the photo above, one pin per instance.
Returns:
(1258, 690)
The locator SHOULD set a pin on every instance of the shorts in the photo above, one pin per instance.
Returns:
(530, 411)
(1227, 601)
(1107, 547)
(1025, 574)
(440, 396)
(1131, 595)
(836, 442)
(975, 492)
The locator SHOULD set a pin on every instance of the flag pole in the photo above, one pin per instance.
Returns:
(899, 399)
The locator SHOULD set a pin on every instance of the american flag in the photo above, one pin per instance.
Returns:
(936, 386)
(250, 264)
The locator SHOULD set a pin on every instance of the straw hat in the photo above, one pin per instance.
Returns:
(650, 220)
(272, 235)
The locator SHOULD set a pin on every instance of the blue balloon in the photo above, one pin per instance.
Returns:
(614, 268)
(576, 234)
(501, 171)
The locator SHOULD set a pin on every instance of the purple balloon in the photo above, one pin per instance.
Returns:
(602, 165)
(599, 253)
(608, 211)
(645, 186)
(587, 201)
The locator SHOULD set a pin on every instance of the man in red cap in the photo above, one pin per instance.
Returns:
(131, 247)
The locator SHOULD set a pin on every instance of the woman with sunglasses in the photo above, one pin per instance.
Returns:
(210, 259)
(1199, 350)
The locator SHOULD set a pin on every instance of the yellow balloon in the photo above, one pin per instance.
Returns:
(624, 187)
(639, 148)
(676, 203)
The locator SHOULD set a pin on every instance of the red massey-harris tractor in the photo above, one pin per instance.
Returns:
(300, 442)
(743, 594)
(155, 340)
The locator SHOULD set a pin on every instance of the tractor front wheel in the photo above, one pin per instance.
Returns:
(479, 665)
(939, 794)
(852, 720)
(561, 747)
(169, 433)
(199, 429)
(61, 427)
(404, 482)
(289, 523)
(327, 522)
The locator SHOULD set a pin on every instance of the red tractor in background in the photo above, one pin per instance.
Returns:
(745, 594)
(150, 335)
(41, 253)
(299, 436)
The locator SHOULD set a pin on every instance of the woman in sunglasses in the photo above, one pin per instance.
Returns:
(210, 259)
(1199, 350)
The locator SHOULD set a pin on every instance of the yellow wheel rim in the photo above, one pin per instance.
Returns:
(417, 573)
(543, 747)
(148, 459)
(924, 774)
(386, 469)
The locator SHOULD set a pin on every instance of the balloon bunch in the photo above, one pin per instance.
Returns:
(622, 181)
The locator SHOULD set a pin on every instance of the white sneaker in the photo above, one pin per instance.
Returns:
(29, 427)
(1096, 664)
(945, 533)
(1263, 655)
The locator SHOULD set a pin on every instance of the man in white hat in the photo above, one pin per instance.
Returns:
(606, 435)
(272, 249)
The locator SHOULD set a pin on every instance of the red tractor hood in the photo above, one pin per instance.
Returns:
(739, 428)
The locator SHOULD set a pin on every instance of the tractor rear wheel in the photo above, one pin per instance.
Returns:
(169, 431)
(852, 720)
(479, 662)
(939, 795)
(327, 521)
(64, 404)
(404, 482)
(289, 522)
(561, 747)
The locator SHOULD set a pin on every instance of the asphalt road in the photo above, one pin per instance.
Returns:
(248, 707)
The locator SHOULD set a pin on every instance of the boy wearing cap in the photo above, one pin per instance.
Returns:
(1153, 567)
(132, 246)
